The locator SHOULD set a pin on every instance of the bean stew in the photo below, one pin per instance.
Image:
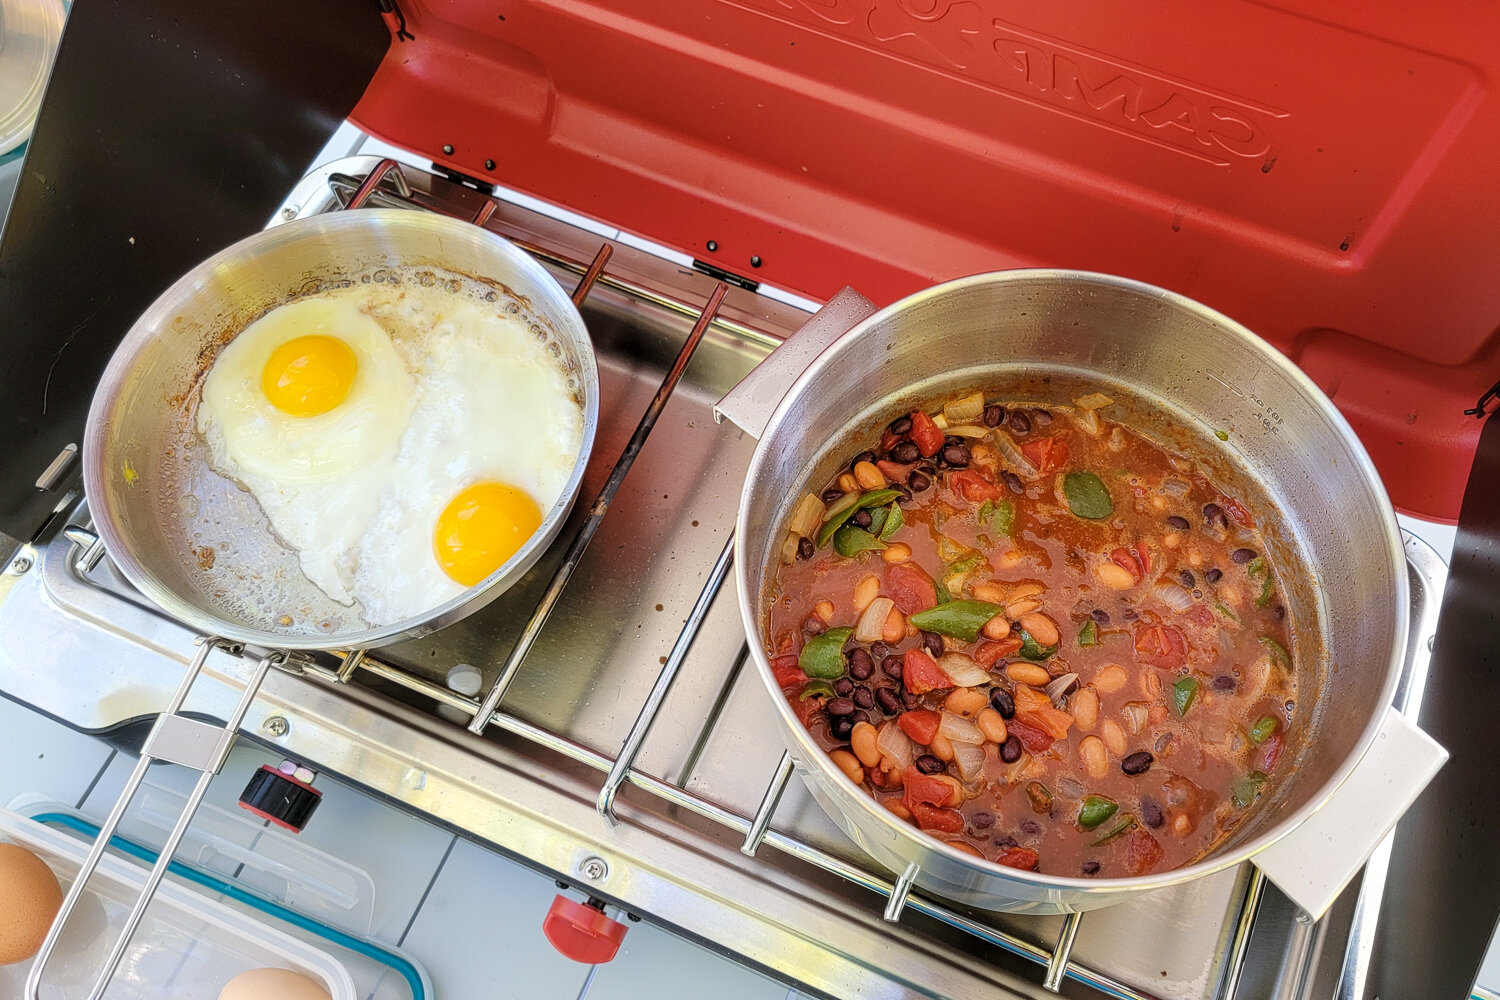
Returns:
(1039, 636)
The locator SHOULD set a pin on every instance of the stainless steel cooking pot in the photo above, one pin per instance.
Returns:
(1184, 371)
(193, 542)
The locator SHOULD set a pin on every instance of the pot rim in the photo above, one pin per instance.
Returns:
(866, 804)
(181, 295)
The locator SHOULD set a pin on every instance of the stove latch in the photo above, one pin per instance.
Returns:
(282, 794)
(581, 931)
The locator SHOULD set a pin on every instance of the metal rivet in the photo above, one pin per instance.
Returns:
(276, 725)
(448, 149)
(489, 164)
(593, 868)
(20, 565)
(755, 260)
(289, 214)
(713, 245)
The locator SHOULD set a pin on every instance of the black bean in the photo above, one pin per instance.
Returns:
(1214, 575)
(1006, 842)
(994, 414)
(1151, 812)
(928, 764)
(893, 666)
(1014, 482)
(1042, 417)
(864, 456)
(981, 819)
(1187, 578)
(843, 687)
(1010, 750)
(831, 494)
(956, 455)
(1018, 421)
(860, 715)
(933, 643)
(904, 494)
(862, 518)
(952, 439)
(1100, 615)
(1212, 514)
(905, 452)
(910, 701)
(1030, 826)
(1279, 612)
(1137, 763)
(901, 425)
(1224, 682)
(864, 697)
(805, 548)
(1130, 614)
(840, 726)
(1241, 556)
(1002, 702)
(879, 650)
(861, 664)
(1090, 867)
(1179, 522)
(840, 706)
(814, 625)
(890, 702)
(927, 469)
(918, 481)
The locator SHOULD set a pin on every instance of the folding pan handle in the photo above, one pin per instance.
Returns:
(749, 404)
(180, 740)
(1313, 863)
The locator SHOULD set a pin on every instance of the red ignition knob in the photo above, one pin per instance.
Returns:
(582, 932)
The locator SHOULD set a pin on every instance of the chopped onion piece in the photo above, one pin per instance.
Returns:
(961, 411)
(806, 517)
(941, 421)
(1136, 714)
(1089, 421)
(970, 760)
(871, 624)
(1173, 596)
(1175, 487)
(1116, 440)
(1019, 463)
(1061, 687)
(1093, 401)
(1071, 787)
(962, 670)
(960, 730)
(789, 548)
(968, 431)
(893, 742)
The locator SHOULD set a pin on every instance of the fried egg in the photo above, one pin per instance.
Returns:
(404, 441)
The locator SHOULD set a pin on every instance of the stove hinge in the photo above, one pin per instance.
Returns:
(464, 180)
(725, 276)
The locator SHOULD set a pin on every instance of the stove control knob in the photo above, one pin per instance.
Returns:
(284, 795)
(581, 931)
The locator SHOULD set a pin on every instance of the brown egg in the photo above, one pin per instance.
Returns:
(273, 984)
(32, 899)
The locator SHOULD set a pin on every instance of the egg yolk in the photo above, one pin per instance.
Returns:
(481, 528)
(309, 375)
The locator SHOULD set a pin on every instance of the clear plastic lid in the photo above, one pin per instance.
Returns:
(29, 34)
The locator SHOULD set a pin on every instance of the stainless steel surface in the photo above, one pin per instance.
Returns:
(53, 475)
(154, 499)
(1050, 336)
(84, 646)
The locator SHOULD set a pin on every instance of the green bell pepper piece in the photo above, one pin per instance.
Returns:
(1087, 496)
(1040, 796)
(823, 656)
(1184, 693)
(815, 688)
(1247, 788)
(1120, 826)
(1278, 652)
(893, 522)
(850, 540)
(1031, 649)
(1261, 573)
(1263, 728)
(844, 508)
(877, 520)
(1089, 634)
(960, 619)
(1004, 518)
(1095, 810)
(841, 508)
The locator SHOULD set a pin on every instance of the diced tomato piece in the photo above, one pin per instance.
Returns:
(926, 788)
(1142, 852)
(889, 440)
(921, 724)
(1144, 555)
(1160, 645)
(920, 673)
(1269, 753)
(973, 487)
(925, 434)
(936, 818)
(806, 708)
(1199, 614)
(910, 587)
(1126, 560)
(1237, 511)
(989, 652)
(1034, 740)
(1023, 858)
(1035, 709)
(787, 673)
(1047, 454)
(894, 471)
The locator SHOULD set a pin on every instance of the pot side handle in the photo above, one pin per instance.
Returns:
(1313, 863)
(750, 403)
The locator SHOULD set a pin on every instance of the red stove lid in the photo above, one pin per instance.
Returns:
(1321, 174)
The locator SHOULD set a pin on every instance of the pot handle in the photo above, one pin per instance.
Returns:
(1313, 863)
(751, 402)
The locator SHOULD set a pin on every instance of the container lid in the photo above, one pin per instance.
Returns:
(1318, 171)
(29, 33)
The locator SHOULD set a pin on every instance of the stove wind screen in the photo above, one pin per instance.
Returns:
(170, 128)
